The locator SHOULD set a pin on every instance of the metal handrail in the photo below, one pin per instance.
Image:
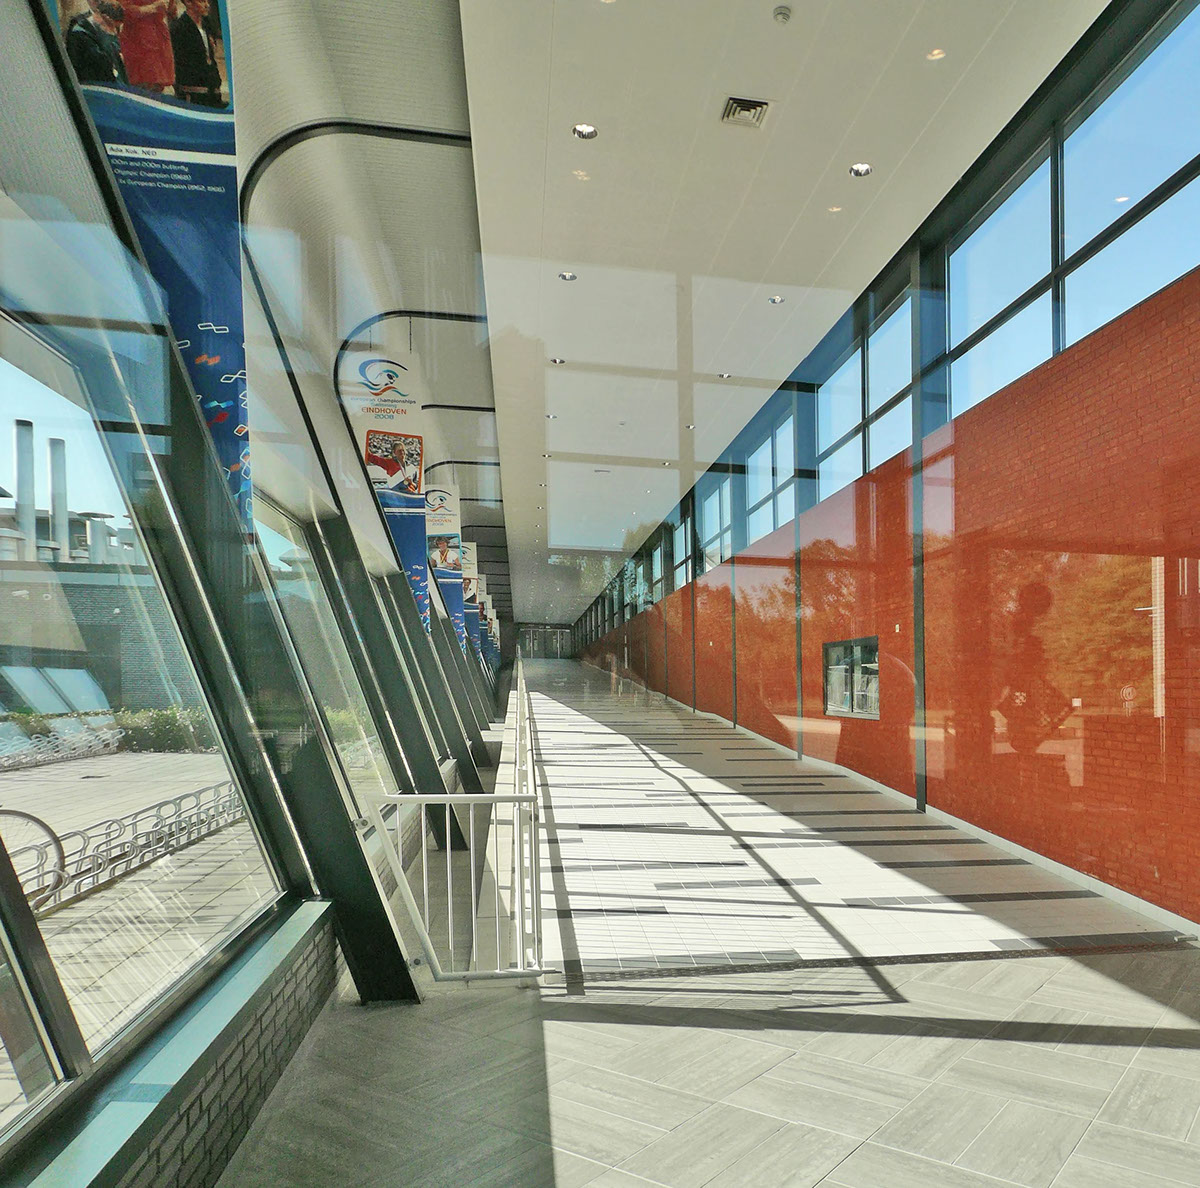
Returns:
(522, 822)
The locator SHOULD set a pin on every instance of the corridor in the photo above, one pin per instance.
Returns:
(771, 974)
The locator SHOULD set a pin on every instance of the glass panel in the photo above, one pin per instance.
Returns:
(711, 515)
(889, 357)
(1018, 346)
(841, 468)
(1002, 258)
(760, 522)
(759, 474)
(1140, 135)
(839, 660)
(785, 505)
(785, 453)
(839, 402)
(1151, 254)
(305, 606)
(866, 678)
(890, 434)
(135, 849)
(25, 1070)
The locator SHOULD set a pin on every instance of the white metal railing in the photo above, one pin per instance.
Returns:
(499, 929)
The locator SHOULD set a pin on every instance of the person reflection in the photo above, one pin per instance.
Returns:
(1032, 707)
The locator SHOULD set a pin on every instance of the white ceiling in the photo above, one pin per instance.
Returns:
(682, 227)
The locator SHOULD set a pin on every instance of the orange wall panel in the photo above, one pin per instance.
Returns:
(714, 641)
(765, 627)
(1062, 606)
(677, 612)
(856, 580)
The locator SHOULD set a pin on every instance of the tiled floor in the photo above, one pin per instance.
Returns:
(760, 1032)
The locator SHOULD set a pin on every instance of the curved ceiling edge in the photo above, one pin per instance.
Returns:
(340, 127)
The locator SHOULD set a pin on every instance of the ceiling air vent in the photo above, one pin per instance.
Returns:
(745, 113)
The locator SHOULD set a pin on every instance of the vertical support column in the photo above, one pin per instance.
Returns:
(60, 529)
(26, 493)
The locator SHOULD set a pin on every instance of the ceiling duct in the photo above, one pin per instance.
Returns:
(744, 113)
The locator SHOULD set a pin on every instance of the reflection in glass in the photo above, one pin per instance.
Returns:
(25, 1070)
(1003, 257)
(889, 357)
(852, 678)
(1155, 251)
(841, 468)
(1137, 138)
(306, 609)
(117, 806)
(891, 433)
(1007, 353)
(839, 402)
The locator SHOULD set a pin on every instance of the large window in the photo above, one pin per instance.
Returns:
(771, 481)
(1002, 257)
(120, 812)
(716, 522)
(1122, 148)
(840, 402)
(682, 550)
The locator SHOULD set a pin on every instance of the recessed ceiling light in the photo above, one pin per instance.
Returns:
(567, 276)
(557, 361)
(860, 169)
(541, 484)
(729, 374)
(936, 55)
(689, 426)
(581, 175)
(833, 209)
(666, 463)
(552, 416)
(545, 455)
(1122, 198)
(584, 131)
(776, 300)
(540, 507)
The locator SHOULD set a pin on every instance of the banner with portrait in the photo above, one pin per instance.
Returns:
(443, 538)
(156, 77)
(471, 595)
(378, 396)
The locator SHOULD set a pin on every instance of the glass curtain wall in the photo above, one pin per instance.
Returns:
(1101, 215)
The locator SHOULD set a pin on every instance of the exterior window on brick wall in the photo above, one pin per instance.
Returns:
(716, 523)
(771, 481)
(683, 551)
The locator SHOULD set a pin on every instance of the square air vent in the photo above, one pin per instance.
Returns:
(745, 113)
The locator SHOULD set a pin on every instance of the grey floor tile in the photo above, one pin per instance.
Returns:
(873, 1166)
(815, 1107)
(1172, 1051)
(940, 1123)
(1051, 1062)
(795, 1157)
(580, 1129)
(1024, 1143)
(700, 1149)
(615, 1178)
(926, 1052)
(1081, 1172)
(1035, 1088)
(876, 1085)
(734, 1063)
(1142, 1153)
(1155, 1102)
(630, 1097)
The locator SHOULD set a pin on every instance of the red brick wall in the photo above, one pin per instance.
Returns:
(1061, 544)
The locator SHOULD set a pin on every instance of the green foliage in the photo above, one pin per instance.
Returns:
(171, 730)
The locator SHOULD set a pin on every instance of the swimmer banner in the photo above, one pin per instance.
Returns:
(378, 388)
(155, 74)
(443, 535)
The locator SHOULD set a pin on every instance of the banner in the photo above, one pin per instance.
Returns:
(156, 79)
(471, 596)
(385, 421)
(443, 536)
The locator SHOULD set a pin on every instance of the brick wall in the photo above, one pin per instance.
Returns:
(1062, 554)
(193, 1147)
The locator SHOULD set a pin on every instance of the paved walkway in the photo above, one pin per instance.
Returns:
(903, 1020)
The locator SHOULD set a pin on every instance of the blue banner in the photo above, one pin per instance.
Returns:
(405, 515)
(450, 583)
(156, 79)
